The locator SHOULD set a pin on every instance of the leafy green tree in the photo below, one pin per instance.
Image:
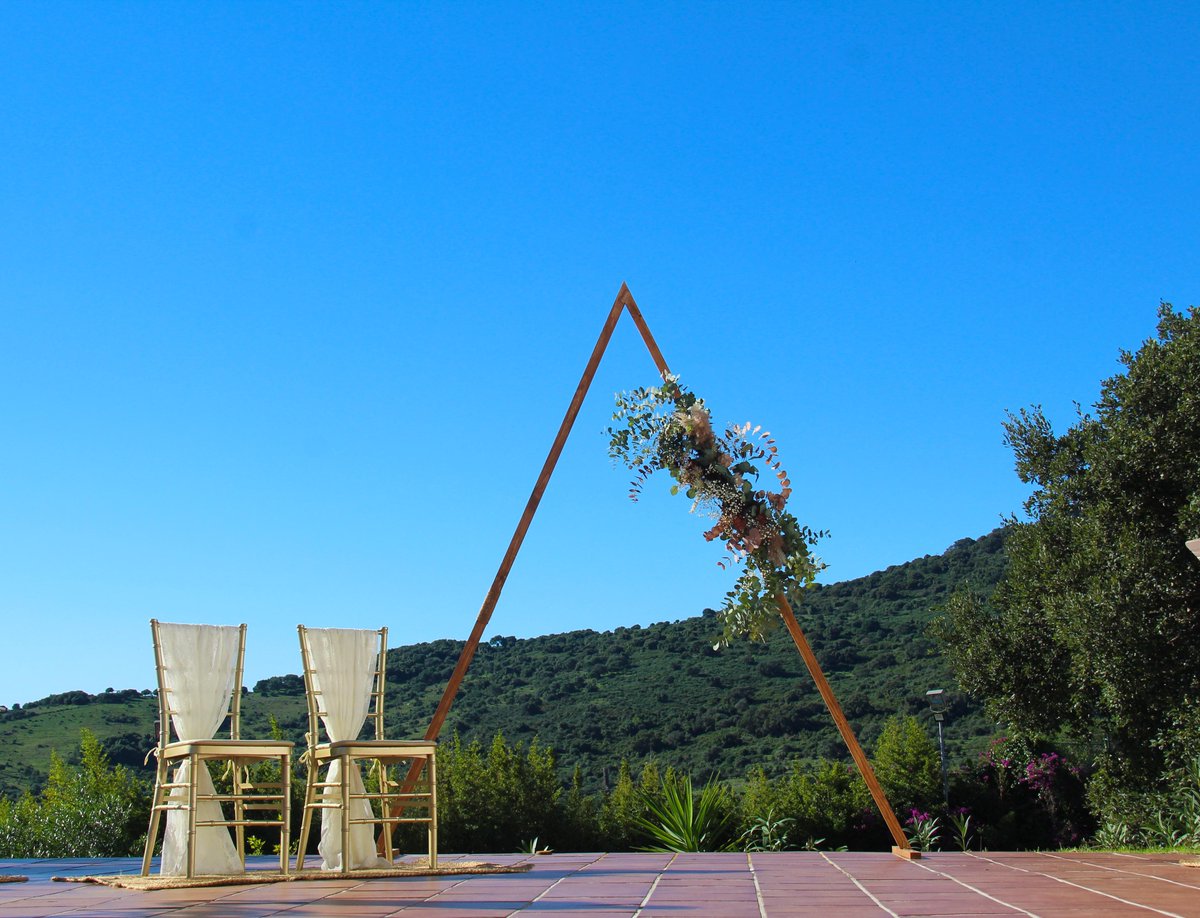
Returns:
(92, 810)
(620, 812)
(496, 801)
(579, 826)
(907, 765)
(1095, 626)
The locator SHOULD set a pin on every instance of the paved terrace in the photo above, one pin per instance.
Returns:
(831, 885)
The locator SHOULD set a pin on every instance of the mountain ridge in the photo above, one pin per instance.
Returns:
(681, 702)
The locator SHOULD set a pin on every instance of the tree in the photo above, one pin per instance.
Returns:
(1095, 626)
(907, 765)
(91, 810)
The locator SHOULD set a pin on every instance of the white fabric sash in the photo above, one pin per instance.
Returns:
(199, 666)
(343, 662)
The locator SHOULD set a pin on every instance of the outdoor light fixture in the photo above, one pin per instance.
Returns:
(1194, 546)
(937, 701)
(938, 704)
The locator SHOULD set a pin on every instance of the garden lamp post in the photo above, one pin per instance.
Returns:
(937, 704)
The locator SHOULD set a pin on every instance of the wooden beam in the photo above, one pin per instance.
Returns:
(902, 847)
(644, 329)
(624, 300)
(531, 506)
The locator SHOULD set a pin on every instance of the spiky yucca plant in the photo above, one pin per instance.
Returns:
(678, 820)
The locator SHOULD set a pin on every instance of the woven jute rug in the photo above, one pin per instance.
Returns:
(11, 878)
(410, 869)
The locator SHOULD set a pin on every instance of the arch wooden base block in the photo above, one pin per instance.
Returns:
(909, 854)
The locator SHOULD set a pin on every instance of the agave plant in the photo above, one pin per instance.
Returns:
(678, 820)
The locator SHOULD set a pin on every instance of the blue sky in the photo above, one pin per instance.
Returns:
(294, 295)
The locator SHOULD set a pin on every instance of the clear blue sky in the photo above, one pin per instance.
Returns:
(294, 295)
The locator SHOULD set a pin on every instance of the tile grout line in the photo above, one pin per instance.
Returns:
(546, 891)
(978, 891)
(762, 906)
(1038, 873)
(654, 885)
(1132, 873)
(870, 895)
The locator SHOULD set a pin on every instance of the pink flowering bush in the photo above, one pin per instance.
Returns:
(1026, 797)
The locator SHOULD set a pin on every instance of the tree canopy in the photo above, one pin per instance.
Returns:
(1094, 628)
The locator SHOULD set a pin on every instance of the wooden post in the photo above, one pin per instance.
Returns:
(901, 847)
(644, 329)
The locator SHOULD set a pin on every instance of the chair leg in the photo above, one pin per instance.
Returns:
(239, 810)
(433, 814)
(386, 810)
(310, 799)
(196, 765)
(345, 789)
(156, 800)
(285, 815)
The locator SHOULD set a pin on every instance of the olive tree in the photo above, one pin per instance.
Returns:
(1094, 629)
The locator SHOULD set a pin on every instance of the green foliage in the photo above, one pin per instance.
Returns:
(907, 764)
(825, 802)
(625, 807)
(93, 810)
(493, 801)
(1093, 630)
(924, 831)
(682, 704)
(579, 826)
(1168, 819)
(680, 821)
(960, 822)
(1023, 795)
(767, 832)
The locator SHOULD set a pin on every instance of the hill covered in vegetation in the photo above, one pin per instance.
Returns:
(657, 692)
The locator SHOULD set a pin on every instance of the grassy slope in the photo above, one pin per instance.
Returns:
(659, 691)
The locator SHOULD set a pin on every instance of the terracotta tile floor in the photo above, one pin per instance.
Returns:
(829, 885)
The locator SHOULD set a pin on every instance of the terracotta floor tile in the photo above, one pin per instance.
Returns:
(695, 886)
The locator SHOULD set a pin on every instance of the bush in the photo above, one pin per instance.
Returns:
(1024, 796)
(96, 810)
(828, 805)
(497, 801)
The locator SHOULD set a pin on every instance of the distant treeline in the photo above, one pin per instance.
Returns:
(659, 692)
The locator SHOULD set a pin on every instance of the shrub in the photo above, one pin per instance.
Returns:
(495, 801)
(95, 810)
(1025, 796)
(907, 765)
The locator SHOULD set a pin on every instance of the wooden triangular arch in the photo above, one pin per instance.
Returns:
(625, 302)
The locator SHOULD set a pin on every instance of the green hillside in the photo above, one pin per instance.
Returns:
(595, 698)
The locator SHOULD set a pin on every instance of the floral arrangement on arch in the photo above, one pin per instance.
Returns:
(668, 427)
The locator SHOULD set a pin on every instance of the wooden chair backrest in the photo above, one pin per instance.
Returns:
(312, 699)
(165, 709)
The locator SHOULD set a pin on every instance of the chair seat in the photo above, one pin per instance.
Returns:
(375, 749)
(229, 749)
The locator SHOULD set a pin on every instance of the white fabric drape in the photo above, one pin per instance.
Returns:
(343, 662)
(199, 666)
